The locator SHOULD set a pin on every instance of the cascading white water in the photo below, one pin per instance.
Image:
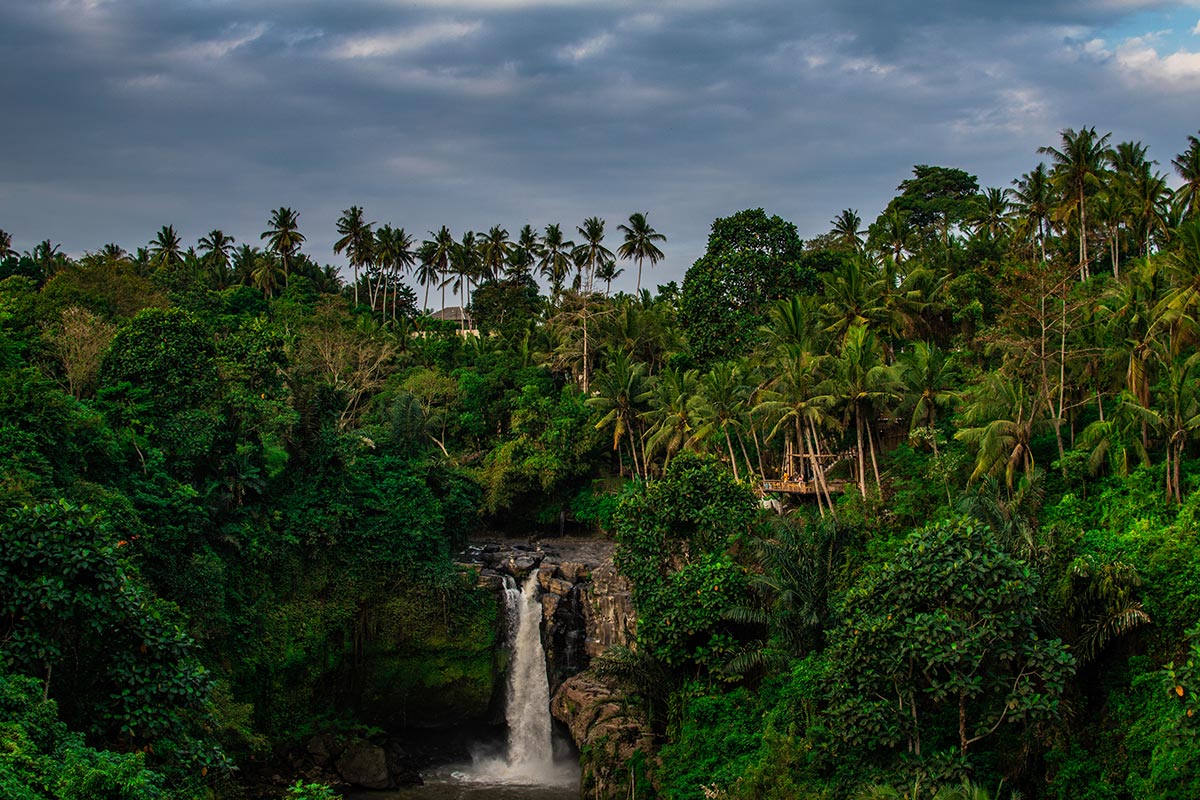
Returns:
(530, 751)
(529, 764)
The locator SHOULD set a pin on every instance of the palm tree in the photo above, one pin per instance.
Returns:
(926, 374)
(989, 216)
(435, 261)
(1187, 164)
(1002, 418)
(865, 385)
(113, 252)
(216, 247)
(266, 274)
(166, 251)
(615, 393)
(608, 272)
(591, 254)
(525, 253)
(1078, 172)
(1177, 416)
(674, 406)
(846, 230)
(6, 248)
(357, 240)
(495, 249)
(1032, 199)
(394, 256)
(639, 244)
(724, 395)
(464, 261)
(555, 263)
(893, 234)
(284, 237)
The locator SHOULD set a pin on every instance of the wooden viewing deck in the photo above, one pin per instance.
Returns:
(803, 487)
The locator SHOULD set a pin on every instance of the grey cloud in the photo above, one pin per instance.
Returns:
(124, 116)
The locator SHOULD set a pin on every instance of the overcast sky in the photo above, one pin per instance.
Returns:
(120, 116)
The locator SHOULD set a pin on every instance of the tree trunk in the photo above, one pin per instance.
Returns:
(862, 466)
(732, 459)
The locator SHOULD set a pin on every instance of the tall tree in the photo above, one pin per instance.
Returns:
(435, 260)
(1031, 194)
(591, 253)
(1187, 164)
(1079, 172)
(846, 230)
(166, 251)
(357, 240)
(555, 261)
(640, 243)
(284, 237)
(494, 250)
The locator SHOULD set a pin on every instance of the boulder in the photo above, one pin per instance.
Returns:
(365, 765)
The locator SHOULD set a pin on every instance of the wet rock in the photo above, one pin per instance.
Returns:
(573, 571)
(365, 765)
(323, 749)
(608, 730)
(608, 610)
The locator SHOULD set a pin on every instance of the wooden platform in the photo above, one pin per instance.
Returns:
(803, 487)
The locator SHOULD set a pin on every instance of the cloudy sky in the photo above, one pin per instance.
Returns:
(120, 116)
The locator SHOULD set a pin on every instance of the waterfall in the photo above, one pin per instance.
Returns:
(530, 751)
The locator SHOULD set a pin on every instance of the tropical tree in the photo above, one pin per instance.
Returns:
(435, 261)
(1187, 164)
(639, 244)
(926, 376)
(1079, 172)
(525, 253)
(1002, 418)
(6, 246)
(591, 254)
(394, 256)
(283, 237)
(166, 251)
(615, 393)
(1032, 198)
(357, 240)
(495, 249)
(555, 259)
(865, 386)
(673, 411)
(846, 231)
(724, 398)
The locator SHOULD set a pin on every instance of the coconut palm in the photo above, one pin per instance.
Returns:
(166, 251)
(673, 411)
(591, 253)
(724, 396)
(216, 247)
(1079, 172)
(6, 248)
(284, 237)
(639, 244)
(865, 386)
(893, 234)
(555, 263)
(525, 253)
(1032, 199)
(990, 214)
(615, 397)
(435, 261)
(495, 248)
(357, 240)
(394, 257)
(926, 374)
(846, 231)
(1002, 419)
(1187, 164)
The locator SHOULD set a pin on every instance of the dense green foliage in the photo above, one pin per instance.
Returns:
(230, 488)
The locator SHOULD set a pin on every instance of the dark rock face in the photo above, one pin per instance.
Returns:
(364, 764)
(609, 731)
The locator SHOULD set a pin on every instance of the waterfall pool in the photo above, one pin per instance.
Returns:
(527, 768)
